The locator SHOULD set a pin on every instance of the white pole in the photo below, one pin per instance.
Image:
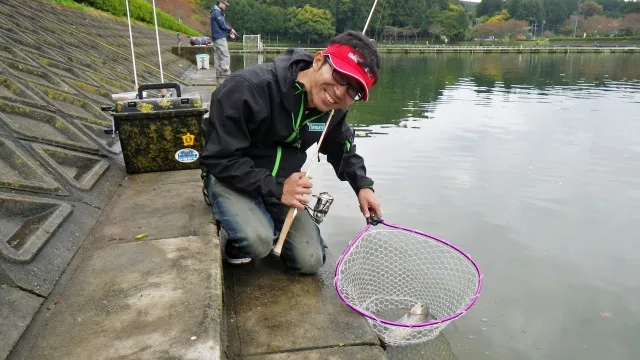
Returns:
(133, 56)
(369, 18)
(155, 19)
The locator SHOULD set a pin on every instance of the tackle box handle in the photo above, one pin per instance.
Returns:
(157, 87)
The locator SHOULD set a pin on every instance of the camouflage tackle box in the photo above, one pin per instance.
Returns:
(160, 134)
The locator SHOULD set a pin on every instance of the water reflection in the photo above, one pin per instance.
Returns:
(252, 59)
(530, 163)
(415, 84)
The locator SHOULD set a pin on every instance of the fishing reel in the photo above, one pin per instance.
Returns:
(321, 208)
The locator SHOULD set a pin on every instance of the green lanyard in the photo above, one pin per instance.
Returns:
(296, 124)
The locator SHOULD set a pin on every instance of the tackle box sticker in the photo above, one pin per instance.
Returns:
(188, 140)
(187, 155)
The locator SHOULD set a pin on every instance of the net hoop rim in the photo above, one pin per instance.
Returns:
(368, 315)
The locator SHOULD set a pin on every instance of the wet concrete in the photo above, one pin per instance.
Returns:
(270, 311)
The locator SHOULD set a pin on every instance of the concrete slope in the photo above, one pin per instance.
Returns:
(58, 167)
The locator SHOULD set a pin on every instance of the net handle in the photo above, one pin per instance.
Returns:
(373, 220)
(370, 222)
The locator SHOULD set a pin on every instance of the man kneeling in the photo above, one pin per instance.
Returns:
(262, 120)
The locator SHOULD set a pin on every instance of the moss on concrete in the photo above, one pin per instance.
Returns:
(90, 89)
(125, 77)
(15, 109)
(56, 95)
(43, 61)
(26, 69)
(109, 82)
(9, 85)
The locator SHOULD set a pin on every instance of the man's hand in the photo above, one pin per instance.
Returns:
(295, 187)
(369, 203)
(233, 33)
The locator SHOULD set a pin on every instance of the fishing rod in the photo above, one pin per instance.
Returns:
(133, 55)
(369, 18)
(110, 109)
(155, 20)
(323, 201)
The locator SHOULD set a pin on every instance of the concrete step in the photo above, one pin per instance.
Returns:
(143, 297)
(273, 314)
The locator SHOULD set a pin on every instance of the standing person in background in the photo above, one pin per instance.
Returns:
(219, 31)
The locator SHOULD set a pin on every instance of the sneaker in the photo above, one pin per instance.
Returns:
(235, 256)
(232, 254)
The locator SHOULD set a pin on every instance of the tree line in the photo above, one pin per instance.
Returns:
(420, 20)
(595, 18)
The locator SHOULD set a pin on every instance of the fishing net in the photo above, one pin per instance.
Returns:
(408, 285)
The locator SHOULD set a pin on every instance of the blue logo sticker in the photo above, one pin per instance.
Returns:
(187, 155)
(316, 126)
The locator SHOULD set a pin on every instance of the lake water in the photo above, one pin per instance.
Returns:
(529, 163)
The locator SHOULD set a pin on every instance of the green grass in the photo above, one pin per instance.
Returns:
(140, 10)
(71, 4)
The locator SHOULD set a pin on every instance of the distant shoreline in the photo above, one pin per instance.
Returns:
(476, 49)
(190, 52)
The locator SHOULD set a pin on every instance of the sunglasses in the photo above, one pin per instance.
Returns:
(342, 79)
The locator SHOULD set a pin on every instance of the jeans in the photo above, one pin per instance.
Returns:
(253, 226)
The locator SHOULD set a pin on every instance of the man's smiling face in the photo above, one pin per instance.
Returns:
(332, 89)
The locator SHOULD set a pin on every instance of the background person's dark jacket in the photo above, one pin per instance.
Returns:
(219, 27)
(249, 135)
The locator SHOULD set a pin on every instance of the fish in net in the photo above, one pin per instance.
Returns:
(407, 284)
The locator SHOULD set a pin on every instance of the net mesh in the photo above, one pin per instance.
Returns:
(388, 270)
(251, 42)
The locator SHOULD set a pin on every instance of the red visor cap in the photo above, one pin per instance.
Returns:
(351, 63)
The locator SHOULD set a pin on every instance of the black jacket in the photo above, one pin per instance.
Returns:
(250, 140)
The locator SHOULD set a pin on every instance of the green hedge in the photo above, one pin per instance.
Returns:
(140, 10)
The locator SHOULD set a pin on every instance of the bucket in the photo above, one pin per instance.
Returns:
(203, 61)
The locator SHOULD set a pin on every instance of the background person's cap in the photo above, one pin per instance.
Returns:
(351, 63)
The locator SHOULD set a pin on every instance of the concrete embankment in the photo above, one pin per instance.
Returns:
(59, 168)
